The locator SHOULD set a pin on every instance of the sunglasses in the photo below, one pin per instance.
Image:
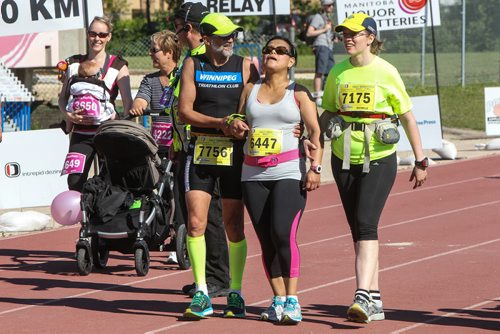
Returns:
(234, 35)
(100, 34)
(279, 50)
(154, 50)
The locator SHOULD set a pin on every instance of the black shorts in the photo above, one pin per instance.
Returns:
(204, 177)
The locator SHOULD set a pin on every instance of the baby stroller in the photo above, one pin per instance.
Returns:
(129, 207)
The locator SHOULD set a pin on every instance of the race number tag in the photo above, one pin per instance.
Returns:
(90, 106)
(357, 97)
(162, 133)
(216, 151)
(166, 98)
(265, 142)
(74, 163)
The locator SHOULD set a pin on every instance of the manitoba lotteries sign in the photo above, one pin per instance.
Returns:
(393, 14)
(19, 17)
(247, 7)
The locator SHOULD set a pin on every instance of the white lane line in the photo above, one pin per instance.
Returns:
(447, 315)
(252, 256)
(343, 280)
(306, 211)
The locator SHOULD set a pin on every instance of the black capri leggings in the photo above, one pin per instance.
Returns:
(275, 208)
(364, 195)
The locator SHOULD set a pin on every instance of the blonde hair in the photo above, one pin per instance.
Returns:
(167, 41)
(88, 68)
(105, 20)
(377, 46)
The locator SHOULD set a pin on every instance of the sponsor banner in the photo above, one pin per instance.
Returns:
(426, 111)
(19, 17)
(392, 14)
(246, 7)
(492, 110)
(29, 50)
(31, 163)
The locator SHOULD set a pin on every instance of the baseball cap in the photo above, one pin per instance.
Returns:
(326, 2)
(358, 22)
(218, 24)
(192, 12)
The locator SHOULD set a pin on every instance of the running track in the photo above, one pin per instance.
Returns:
(440, 270)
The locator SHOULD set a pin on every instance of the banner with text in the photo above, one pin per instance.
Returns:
(393, 14)
(426, 112)
(32, 162)
(247, 7)
(492, 110)
(19, 17)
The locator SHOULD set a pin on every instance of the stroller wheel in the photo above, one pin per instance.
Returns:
(181, 247)
(84, 259)
(100, 253)
(142, 261)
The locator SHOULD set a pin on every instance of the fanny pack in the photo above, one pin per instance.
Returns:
(272, 160)
(385, 129)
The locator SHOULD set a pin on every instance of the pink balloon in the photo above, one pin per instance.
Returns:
(65, 208)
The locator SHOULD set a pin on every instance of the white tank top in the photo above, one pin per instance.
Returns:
(282, 117)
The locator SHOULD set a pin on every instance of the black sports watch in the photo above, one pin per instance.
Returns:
(424, 163)
(317, 169)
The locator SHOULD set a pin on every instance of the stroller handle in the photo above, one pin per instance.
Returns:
(146, 112)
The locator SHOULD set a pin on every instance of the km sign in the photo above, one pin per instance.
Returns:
(28, 16)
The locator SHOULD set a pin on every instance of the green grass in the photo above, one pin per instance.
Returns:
(460, 107)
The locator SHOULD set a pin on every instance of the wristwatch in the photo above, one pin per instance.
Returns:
(424, 163)
(317, 169)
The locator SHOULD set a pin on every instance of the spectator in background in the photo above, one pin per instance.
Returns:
(116, 75)
(321, 29)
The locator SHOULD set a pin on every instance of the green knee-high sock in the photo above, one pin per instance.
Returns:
(197, 250)
(237, 259)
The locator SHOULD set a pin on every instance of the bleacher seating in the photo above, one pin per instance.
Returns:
(16, 102)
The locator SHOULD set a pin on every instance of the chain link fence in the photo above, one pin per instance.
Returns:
(410, 51)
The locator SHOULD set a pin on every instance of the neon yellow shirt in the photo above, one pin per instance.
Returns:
(376, 88)
(180, 135)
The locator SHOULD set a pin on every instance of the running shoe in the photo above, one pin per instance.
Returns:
(292, 313)
(235, 306)
(200, 307)
(359, 311)
(376, 311)
(274, 312)
(172, 258)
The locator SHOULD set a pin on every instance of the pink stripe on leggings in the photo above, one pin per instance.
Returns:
(294, 249)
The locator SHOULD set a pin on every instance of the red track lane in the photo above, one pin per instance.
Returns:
(439, 270)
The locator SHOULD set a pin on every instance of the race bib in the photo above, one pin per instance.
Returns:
(216, 151)
(74, 163)
(90, 106)
(357, 97)
(264, 142)
(162, 133)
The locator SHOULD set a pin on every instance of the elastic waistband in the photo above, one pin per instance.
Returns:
(360, 114)
(273, 159)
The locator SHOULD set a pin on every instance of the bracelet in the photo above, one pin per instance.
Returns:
(232, 117)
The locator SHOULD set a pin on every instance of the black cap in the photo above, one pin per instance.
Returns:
(192, 12)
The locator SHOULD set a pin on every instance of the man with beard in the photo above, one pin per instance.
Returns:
(211, 85)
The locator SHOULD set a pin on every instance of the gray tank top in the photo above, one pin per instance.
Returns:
(279, 119)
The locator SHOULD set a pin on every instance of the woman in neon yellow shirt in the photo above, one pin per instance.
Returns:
(367, 96)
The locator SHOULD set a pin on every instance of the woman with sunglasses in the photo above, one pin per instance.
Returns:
(115, 73)
(366, 95)
(274, 169)
(157, 92)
